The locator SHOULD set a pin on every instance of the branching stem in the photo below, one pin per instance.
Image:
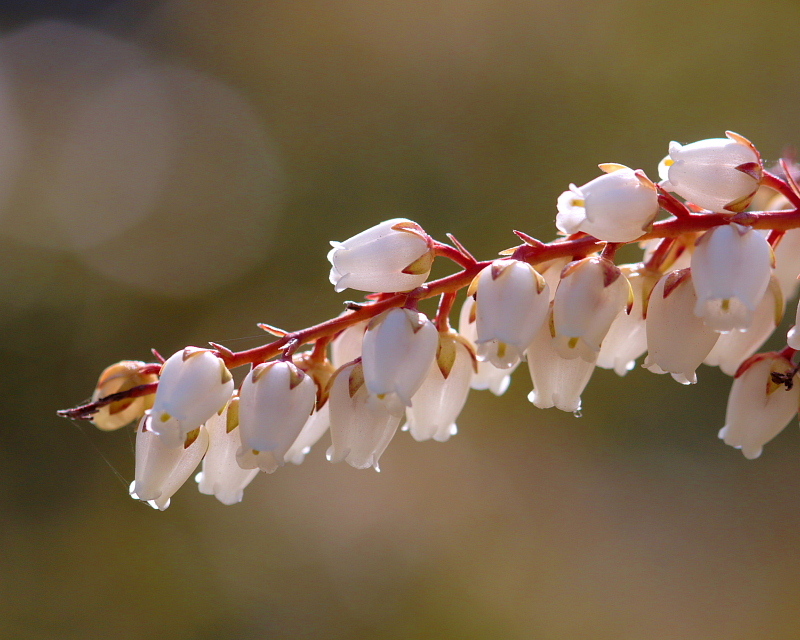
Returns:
(531, 251)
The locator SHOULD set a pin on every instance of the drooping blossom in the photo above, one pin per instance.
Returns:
(395, 255)
(720, 174)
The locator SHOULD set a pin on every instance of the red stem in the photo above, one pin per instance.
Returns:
(671, 204)
(86, 411)
(579, 246)
(781, 186)
(443, 312)
(445, 250)
(660, 254)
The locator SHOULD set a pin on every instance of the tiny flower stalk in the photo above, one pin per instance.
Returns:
(194, 385)
(511, 302)
(677, 340)
(221, 476)
(122, 376)
(592, 292)
(275, 401)
(760, 405)
(443, 393)
(395, 255)
(731, 268)
(719, 174)
(399, 347)
(361, 428)
(616, 207)
(163, 466)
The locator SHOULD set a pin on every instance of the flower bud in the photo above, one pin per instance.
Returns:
(591, 293)
(121, 377)
(557, 382)
(444, 391)
(720, 174)
(759, 407)
(399, 346)
(361, 428)
(162, 466)
(487, 376)
(511, 302)
(275, 401)
(616, 207)
(221, 476)
(395, 255)
(677, 340)
(731, 267)
(194, 385)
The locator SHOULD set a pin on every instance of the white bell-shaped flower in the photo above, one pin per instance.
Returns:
(616, 207)
(591, 293)
(318, 422)
(731, 267)
(759, 407)
(720, 174)
(733, 348)
(557, 382)
(551, 272)
(626, 339)
(314, 428)
(163, 466)
(399, 346)
(346, 347)
(677, 340)
(487, 376)
(194, 384)
(793, 337)
(221, 476)
(361, 429)
(275, 401)
(444, 391)
(511, 302)
(395, 255)
(787, 263)
(121, 376)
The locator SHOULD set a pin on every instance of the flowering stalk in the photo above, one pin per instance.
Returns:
(709, 288)
(782, 220)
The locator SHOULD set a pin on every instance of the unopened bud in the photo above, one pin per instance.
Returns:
(395, 255)
(121, 376)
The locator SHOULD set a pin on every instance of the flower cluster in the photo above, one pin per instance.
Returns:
(710, 288)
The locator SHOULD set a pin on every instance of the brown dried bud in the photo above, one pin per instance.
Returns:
(118, 377)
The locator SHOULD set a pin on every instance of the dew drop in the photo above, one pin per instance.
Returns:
(577, 413)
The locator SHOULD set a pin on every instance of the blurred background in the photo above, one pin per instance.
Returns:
(171, 173)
